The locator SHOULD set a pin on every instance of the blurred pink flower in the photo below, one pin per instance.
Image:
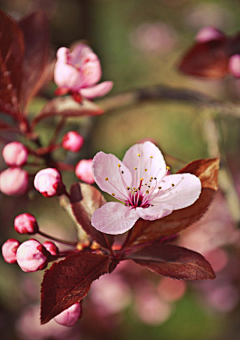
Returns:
(69, 316)
(49, 182)
(72, 141)
(15, 154)
(26, 224)
(234, 65)
(84, 171)
(141, 182)
(9, 250)
(14, 181)
(78, 71)
(32, 256)
(208, 33)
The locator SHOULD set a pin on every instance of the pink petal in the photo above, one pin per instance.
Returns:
(90, 70)
(114, 218)
(98, 90)
(155, 166)
(208, 33)
(154, 212)
(234, 65)
(66, 76)
(62, 54)
(109, 177)
(79, 53)
(185, 191)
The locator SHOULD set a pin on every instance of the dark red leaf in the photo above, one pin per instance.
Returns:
(11, 56)
(208, 59)
(36, 36)
(69, 281)
(207, 171)
(173, 261)
(68, 107)
(85, 199)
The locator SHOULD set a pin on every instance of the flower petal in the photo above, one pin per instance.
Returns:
(182, 190)
(114, 218)
(109, 177)
(98, 90)
(79, 53)
(154, 212)
(91, 71)
(66, 76)
(150, 158)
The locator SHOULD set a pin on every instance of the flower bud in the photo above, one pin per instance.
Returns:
(32, 256)
(72, 141)
(14, 181)
(49, 182)
(51, 247)
(234, 65)
(69, 316)
(26, 224)
(9, 250)
(84, 171)
(15, 154)
(208, 33)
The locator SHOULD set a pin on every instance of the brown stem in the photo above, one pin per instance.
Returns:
(57, 239)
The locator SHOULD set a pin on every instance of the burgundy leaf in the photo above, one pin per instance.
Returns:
(11, 56)
(173, 261)
(208, 59)
(85, 199)
(35, 60)
(69, 281)
(207, 171)
(68, 107)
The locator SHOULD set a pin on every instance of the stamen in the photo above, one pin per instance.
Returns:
(135, 168)
(145, 170)
(147, 192)
(106, 179)
(122, 172)
(151, 156)
(113, 194)
(168, 167)
(119, 165)
(128, 188)
(159, 188)
(173, 184)
(138, 154)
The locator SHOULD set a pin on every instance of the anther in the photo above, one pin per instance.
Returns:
(168, 167)
(128, 188)
(138, 154)
(122, 172)
(135, 168)
(141, 179)
(119, 165)
(173, 184)
(147, 192)
(106, 179)
(159, 187)
(113, 194)
(145, 170)
(151, 156)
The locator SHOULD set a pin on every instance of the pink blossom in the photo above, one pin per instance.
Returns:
(84, 171)
(78, 71)
(49, 182)
(234, 65)
(141, 182)
(69, 316)
(208, 33)
(14, 181)
(72, 141)
(51, 247)
(9, 250)
(32, 256)
(15, 154)
(26, 224)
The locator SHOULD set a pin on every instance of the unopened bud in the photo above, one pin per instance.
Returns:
(26, 224)
(234, 65)
(15, 154)
(69, 316)
(72, 141)
(49, 182)
(9, 250)
(14, 181)
(84, 171)
(51, 247)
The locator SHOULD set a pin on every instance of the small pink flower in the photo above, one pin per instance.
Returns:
(72, 141)
(32, 256)
(84, 171)
(69, 316)
(234, 65)
(78, 71)
(49, 182)
(51, 247)
(14, 181)
(141, 182)
(26, 224)
(15, 154)
(9, 250)
(208, 33)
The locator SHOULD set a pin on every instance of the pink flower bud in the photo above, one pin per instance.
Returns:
(14, 181)
(69, 316)
(15, 154)
(84, 171)
(9, 250)
(72, 141)
(78, 71)
(26, 224)
(51, 247)
(32, 256)
(208, 33)
(234, 65)
(49, 182)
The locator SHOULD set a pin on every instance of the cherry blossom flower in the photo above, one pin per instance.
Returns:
(208, 33)
(15, 154)
(141, 182)
(234, 65)
(78, 71)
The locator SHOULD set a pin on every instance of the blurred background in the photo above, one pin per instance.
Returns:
(139, 43)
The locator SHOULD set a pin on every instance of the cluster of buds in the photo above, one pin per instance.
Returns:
(14, 180)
